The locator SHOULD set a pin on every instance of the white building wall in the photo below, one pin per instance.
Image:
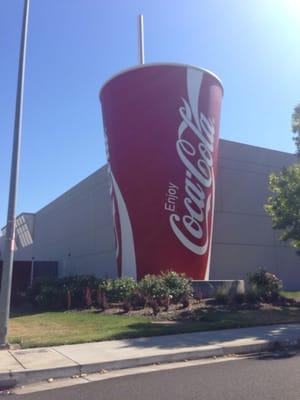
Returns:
(243, 236)
(76, 229)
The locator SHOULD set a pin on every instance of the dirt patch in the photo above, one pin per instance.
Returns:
(196, 311)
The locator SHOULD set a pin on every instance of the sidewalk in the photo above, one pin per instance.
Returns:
(32, 365)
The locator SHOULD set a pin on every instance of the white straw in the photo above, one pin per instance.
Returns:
(141, 39)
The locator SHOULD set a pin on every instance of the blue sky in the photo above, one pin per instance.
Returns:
(75, 45)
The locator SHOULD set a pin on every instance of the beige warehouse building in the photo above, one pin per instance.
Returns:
(74, 233)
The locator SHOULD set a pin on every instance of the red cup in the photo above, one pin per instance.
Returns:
(161, 124)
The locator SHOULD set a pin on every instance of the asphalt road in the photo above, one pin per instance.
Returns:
(260, 379)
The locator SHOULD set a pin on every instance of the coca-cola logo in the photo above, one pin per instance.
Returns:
(194, 145)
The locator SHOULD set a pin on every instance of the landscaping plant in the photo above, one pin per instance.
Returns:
(87, 291)
(265, 285)
(179, 287)
(116, 290)
(154, 292)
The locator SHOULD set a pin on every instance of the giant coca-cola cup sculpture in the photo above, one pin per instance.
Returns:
(161, 123)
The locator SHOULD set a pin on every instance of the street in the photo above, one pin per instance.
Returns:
(260, 378)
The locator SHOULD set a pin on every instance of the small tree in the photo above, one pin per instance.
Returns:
(296, 127)
(284, 203)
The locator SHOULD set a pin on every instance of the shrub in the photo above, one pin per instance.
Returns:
(185, 300)
(81, 289)
(79, 281)
(78, 290)
(134, 301)
(265, 284)
(117, 290)
(124, 288)
(238, 298)
(252, 296)
(101, 299)
(43, 293)
(154, 304)
(67, 292)
(50, 298)
(222, 296)
(154, 291)
(178, 286)
(18, 298)
(105, 290)
(87, 291)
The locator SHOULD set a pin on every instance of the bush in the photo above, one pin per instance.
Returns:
(87, 291)
(60, 293)
(134, 301)
(152, 288)
(252, 296)
(45, 294)
(178, 286)
(51, 298)
(222, 296)
(80, 289)
(79, 282)
(265, 285)
(238, 298)
(18, 298)
(118, 290)
(124, 288)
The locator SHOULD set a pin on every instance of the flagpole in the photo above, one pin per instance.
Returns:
(8, 253)
(141, 39)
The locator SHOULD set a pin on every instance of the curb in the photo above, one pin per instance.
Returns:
(11, 379)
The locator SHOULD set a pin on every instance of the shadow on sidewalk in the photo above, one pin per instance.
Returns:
(172, 340)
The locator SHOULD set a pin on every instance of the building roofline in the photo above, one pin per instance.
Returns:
(104, 166)
(258, 147)
(20, 215)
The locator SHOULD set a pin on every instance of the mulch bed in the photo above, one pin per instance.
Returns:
(196, 311)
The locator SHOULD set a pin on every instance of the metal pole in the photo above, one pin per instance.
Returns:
(8, 253)
(141, 38)
(32, 270)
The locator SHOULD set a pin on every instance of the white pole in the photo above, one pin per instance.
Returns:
(141, 38)
(8, 254)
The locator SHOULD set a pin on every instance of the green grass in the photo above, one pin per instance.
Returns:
(291, 295)
(55, 328)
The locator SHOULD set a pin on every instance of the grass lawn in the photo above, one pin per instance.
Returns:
(55, 328)
(291, 295)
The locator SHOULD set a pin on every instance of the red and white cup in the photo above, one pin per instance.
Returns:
(161, 124)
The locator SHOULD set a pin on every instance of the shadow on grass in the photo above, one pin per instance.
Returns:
(204, 334)
(33, 312)
(276, 355)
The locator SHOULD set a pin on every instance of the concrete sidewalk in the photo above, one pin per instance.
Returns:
(32, 365)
